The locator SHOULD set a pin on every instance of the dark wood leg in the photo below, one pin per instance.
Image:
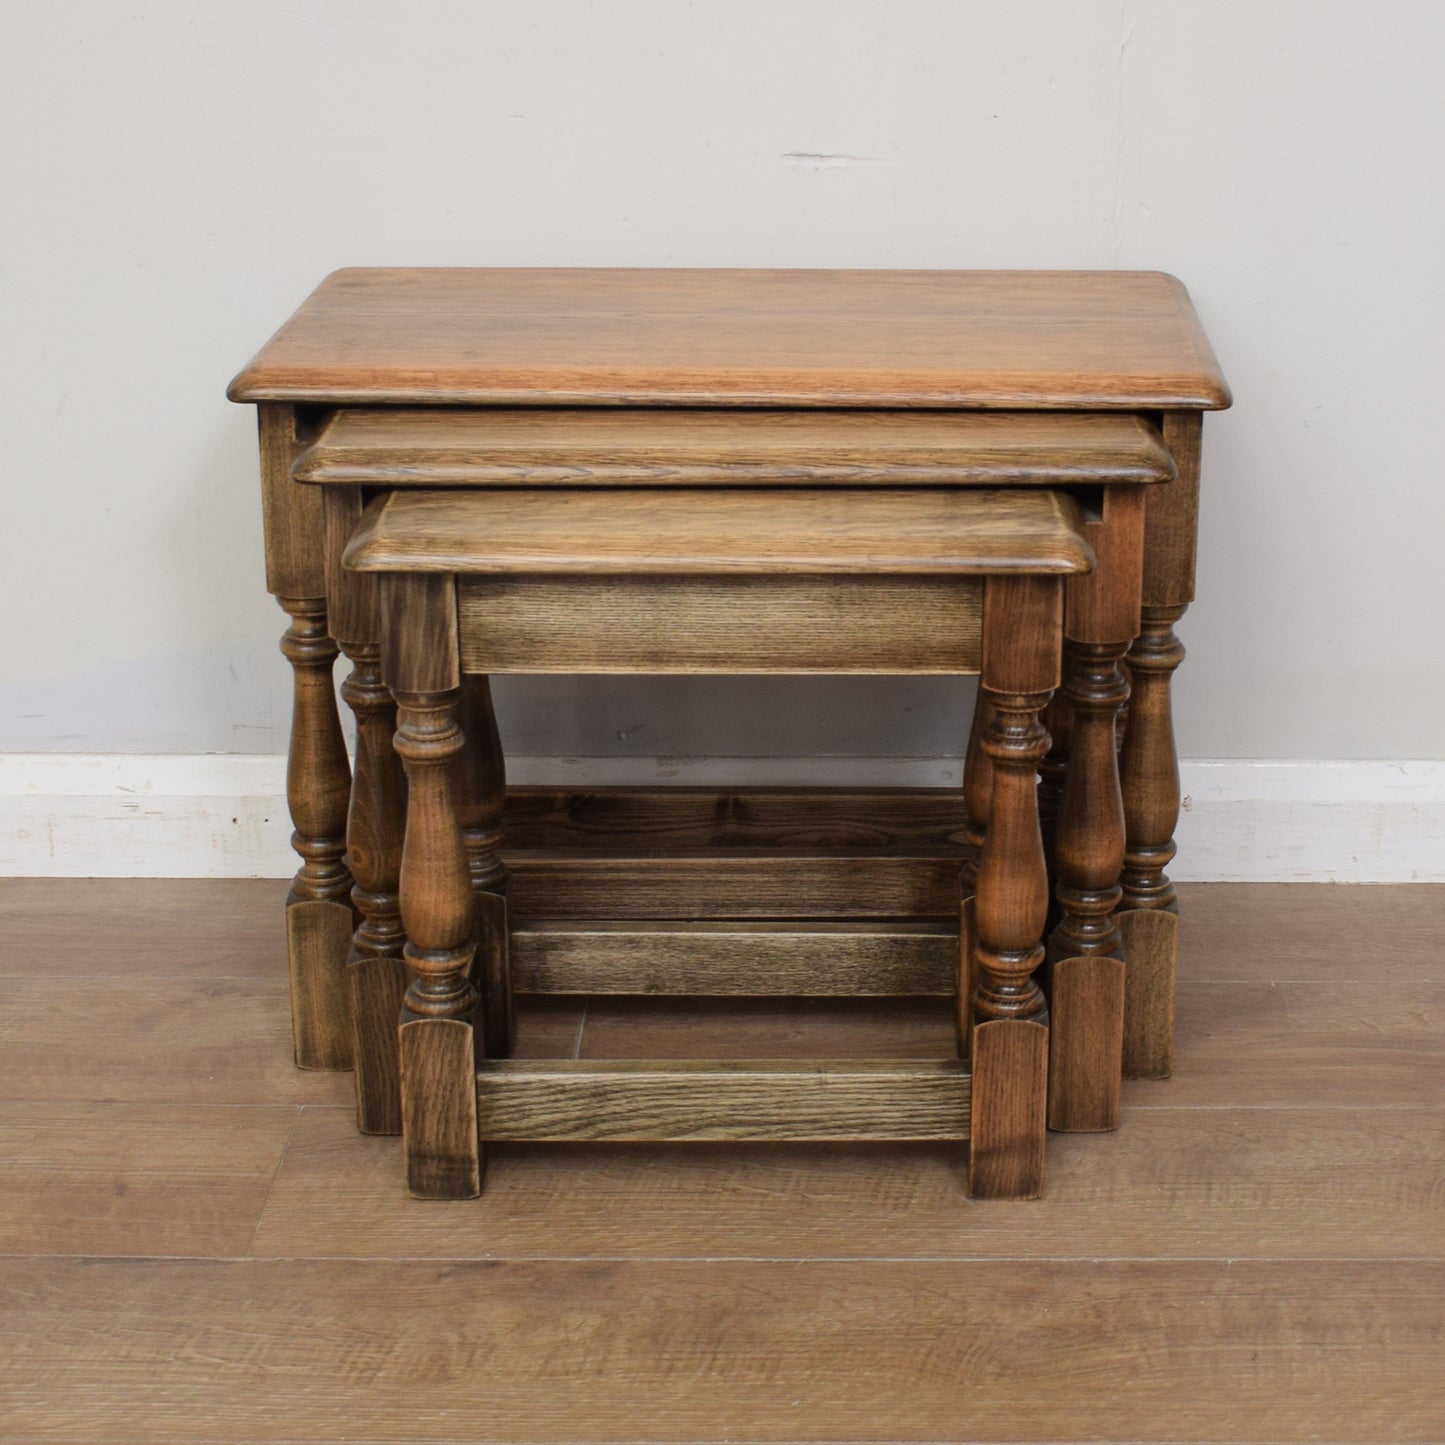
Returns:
(438, 1042)
(1086, 998)
(437, 1046)
(1150, 928)
(374, 832)
(1009, 1034)
(977, 797)
(318, 786)
(484, 794)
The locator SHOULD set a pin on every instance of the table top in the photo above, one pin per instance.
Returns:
(729, 447)
(1062, 340)
(678, 532)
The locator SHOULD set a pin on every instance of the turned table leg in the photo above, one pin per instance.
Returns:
(1086, 975)
(376, 975)
(318, 786)
(1009, 1028)
(484, 793)
(438, 1043)
(977, 797)
(1150, 767)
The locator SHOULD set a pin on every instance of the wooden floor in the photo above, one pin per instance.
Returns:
(198, 1247)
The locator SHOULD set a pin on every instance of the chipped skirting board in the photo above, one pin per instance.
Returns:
(129, 815)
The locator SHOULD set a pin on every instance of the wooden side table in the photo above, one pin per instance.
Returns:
(794, 341)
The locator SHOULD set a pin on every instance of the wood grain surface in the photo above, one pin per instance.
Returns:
(673, 531)
(703, 1101)
(196, 1245)
(674, 447)
(721, 625)
(759, 1350)
(1064, 340)
(700, 959)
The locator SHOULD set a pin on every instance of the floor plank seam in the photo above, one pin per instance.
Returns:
(1227, 1260)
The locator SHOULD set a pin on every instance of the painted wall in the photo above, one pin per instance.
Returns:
(178, 175)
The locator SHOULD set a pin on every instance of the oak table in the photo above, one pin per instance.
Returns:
(500, 348)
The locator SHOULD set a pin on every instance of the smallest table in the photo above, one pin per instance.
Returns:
(841, 580)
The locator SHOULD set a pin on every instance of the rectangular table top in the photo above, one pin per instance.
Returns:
(666, 532)
(1063, 340)
(730, 447)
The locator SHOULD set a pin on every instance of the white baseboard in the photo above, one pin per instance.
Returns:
(131, 815)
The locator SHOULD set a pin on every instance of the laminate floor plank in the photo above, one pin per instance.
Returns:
(1300, 1045)
(198, 1247)
(186, 1041)
(1311, 932)
(152, 927)
(1217, 1183)
(881, 1350)
(136, 1179)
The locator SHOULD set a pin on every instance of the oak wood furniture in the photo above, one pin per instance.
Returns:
(685, 580)
(835, 357)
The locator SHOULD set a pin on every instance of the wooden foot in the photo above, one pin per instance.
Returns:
(1151, 951)
(439, 1109)
(318, 935)
(1086, 1043)
(1010, 1065)
(318, 786)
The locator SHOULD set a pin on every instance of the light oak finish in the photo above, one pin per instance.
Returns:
(1051, 340)
(726, 625)
(675, 532)
(673, 447)
(1022, 543)
(702, 1101)
(715, 958)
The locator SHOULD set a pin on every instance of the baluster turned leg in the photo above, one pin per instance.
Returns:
(484, 793)
(1086, 974)
(437, 1038)
(318, 786)
(375, 969)
(376, 975)
(977, 797)
(1150, 768)
(1009, 1043)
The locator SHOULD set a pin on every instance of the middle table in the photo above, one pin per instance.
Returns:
(612, 465)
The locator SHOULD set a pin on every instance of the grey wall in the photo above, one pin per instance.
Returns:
(178, 175)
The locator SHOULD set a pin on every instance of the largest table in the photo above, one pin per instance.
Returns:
(1078, 341)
